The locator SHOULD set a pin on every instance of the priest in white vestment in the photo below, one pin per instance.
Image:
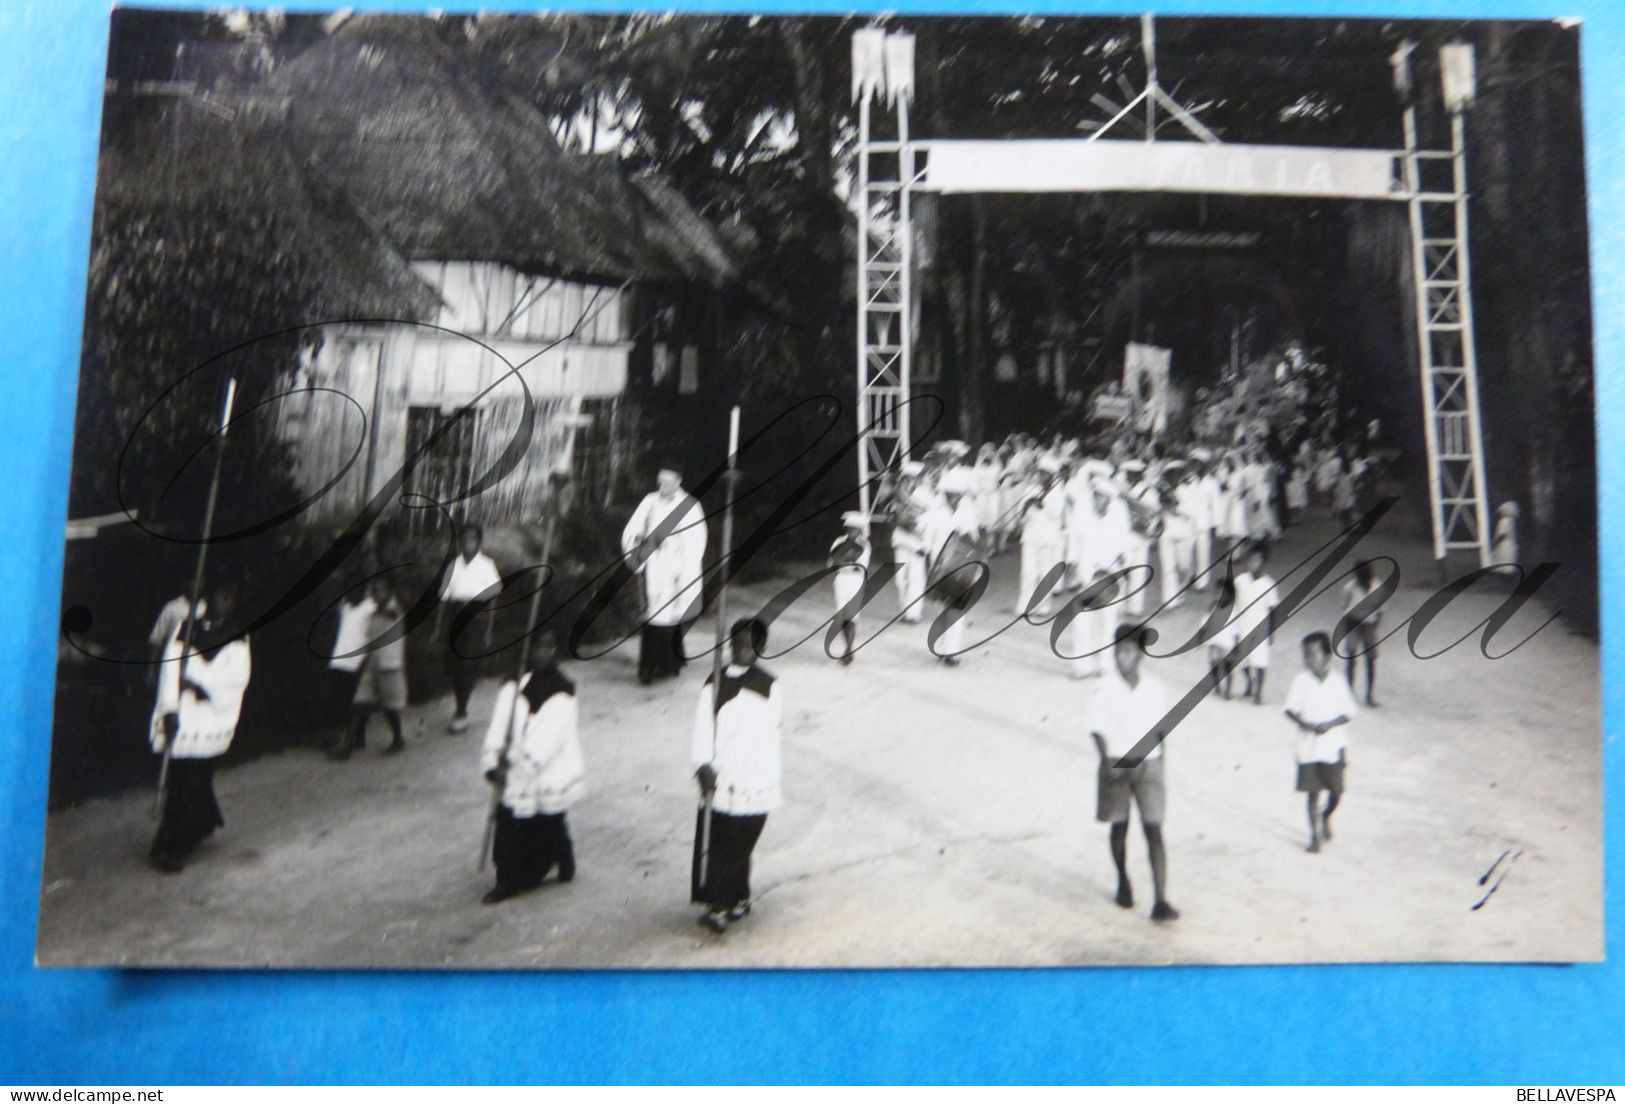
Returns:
(664, 542)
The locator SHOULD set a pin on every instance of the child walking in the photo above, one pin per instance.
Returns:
(470, 582)
(381, 680)
(1321, 706)
(1362, 634)
(1256, 599)
(1224, 641)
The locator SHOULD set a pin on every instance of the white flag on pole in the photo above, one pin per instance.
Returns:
(900, 68)
(868, 63)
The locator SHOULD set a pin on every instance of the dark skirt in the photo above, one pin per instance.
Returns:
(727, 873)
(525, 849)
(190, 812)
(660, 651)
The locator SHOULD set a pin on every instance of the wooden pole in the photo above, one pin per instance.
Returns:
(186, 631)
(1148, 42)
(500, 790)
(702, 844)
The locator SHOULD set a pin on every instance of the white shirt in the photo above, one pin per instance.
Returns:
(546, 773)
(936, 526)
(1316, 701)
(1191, 501)
(1044, 521)
(1212, 500)
(1115, 536)
(958, 522)
(469, 580)
(354, 621)
(206, 725)
(1123, 714)
(741, 740)
(1256, 597)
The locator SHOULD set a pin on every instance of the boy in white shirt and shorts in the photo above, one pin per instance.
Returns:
(1125, 705)
(1321, 706)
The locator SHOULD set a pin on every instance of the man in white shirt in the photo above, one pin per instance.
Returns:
(1125, 706)
(736, 756)
(1321, 705)
(664, 541)
(470, 581)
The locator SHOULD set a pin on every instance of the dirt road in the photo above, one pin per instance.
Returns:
(933, 816)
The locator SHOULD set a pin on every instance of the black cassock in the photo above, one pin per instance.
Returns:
(190, 812)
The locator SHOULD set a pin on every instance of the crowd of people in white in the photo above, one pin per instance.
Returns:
(1081, 510)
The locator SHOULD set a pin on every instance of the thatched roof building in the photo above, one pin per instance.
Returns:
(179, 160)
(451, 238)
(448, 162)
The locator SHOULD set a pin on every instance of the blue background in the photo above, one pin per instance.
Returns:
(1498, 1024)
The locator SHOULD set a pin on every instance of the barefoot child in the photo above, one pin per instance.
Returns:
(1222, 643)
(1321, 706)
(1256, 599)
(1362, 635)
(381, 679)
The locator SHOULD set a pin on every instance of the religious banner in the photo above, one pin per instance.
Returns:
(900, 68)
(1145, 378)
(868, 62)
(1456, 70)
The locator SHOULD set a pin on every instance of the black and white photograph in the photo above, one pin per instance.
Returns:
(699, 491)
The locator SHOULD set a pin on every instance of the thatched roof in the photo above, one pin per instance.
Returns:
(182, 159)
(447, 162)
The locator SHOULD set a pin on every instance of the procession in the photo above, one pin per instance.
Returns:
(539, 607)
(1101, 537)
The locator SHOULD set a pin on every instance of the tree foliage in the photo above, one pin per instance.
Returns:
(171, 294)
(751, 120)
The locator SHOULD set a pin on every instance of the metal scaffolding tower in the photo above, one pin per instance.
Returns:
(1436, 188)
(1433, 184)
(883, 62)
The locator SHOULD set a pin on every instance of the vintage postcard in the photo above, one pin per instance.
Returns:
(709, 491)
